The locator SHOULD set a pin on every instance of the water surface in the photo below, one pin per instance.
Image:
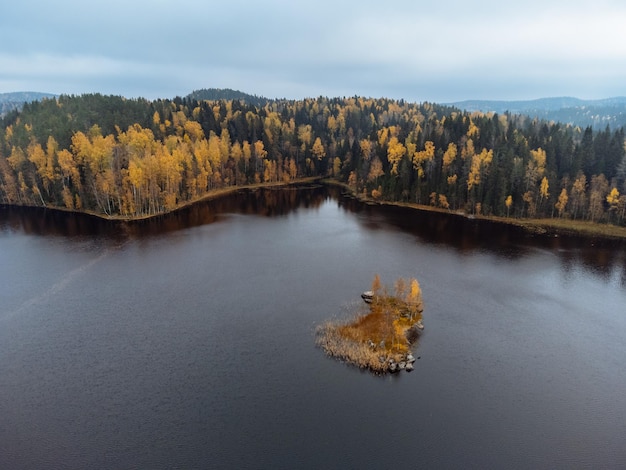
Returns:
(187, 341)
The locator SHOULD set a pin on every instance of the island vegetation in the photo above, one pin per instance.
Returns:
(381, 338)
(137, 158)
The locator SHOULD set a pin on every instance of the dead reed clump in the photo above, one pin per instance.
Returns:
(360, 354)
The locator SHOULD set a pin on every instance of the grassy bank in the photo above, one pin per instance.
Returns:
(553, 226)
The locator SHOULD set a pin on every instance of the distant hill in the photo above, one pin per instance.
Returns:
(12, 101)
(567, 110)
(226, 94)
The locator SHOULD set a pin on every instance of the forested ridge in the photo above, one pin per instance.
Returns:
(134, 157)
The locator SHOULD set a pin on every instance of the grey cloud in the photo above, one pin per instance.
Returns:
(434, 51)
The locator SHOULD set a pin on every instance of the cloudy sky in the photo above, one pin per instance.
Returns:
(436, 50)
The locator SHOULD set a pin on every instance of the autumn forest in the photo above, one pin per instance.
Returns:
(136, 158)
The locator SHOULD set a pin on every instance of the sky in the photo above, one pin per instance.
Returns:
(437, 50)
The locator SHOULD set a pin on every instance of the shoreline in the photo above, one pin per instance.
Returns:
(214, 194)
(549, 227)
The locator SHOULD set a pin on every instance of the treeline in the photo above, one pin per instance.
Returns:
(137, 157)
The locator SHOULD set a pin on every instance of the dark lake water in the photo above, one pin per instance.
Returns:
(188, 341)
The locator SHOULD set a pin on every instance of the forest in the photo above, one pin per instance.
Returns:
(133, 158)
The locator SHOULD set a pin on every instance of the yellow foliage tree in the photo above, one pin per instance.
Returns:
(246, 151)
(468, 151)
(38, 157)
(318, 149)
(433, 198)
(383, 136)
(419, 158)
(414, 298)
(193, 129)
(449, 156)
(305, 134)
(336, 166)
(480, 162)
(527, 197)
(562, 202)
(376, 170)
(259, 150)
(395, 151)
(366, 148)
(613, 198)
(577, 194)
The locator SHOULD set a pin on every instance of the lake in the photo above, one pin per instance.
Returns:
(188, 341)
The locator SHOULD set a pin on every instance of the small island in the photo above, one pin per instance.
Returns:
(381, 339)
